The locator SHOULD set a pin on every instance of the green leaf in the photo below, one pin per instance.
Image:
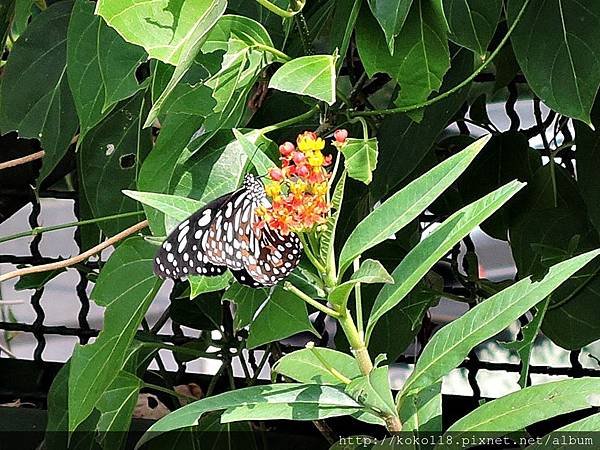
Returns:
(555, 440)
(83, 68)
(423, 411)
(37, 280)
(327, 236)
(399, 131)
(240, 66)
(472, 22)
(283, 315)
(391, 16)
(109, 158)
(126, 287)
(179, 208)
(370, 271)
(431, 249)
(360, 158)
(304, 366)
(201, 285)
(199, 313)
(118, 61)
(45, 109)
(524, 345)
(404, 206)
(520, 409)
(261, 162)
(556, 47)
(116, 409)
(308, 75)
(310, 398)
(284, 411)
(420, 59)
(451, 344)
(247, 301)
(373, 390)
(588, 158)
(168, 32)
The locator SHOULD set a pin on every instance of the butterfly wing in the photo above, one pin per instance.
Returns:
(182, 253)
(272, 256)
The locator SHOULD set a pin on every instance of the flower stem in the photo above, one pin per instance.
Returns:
(293, 289)
(458, 87)
(165, 390)
(40, 230)
(292, 121)
(279, 11)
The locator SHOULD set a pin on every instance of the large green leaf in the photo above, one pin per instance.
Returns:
(247, 301)
(557, 48)
(423, 411)
(588, 158)
(116, 409)
(83, 67)
(179, 208)
(556, 439)
(391, 15)
(308, 75)
(283, 316)
(310, 399)
(406, 205)
(450, 345)
(431, 249)
(472, 22)
(306, 366)
(126, 287)
(43, 110)
(168, 30)
(360, 158)
(519, 409)
(373, 390)
(420, 59)
(109, 158)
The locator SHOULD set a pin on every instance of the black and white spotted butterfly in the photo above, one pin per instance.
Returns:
(222, 236)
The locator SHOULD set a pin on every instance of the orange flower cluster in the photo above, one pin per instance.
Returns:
(298, 190)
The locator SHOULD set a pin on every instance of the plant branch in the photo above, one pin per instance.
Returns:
(39, 230)
(332, 370)
(7, 351)
(292, 121)
(358, 302)
(172, 392)
(293, 289)
(23, 160)
(458, 87)
(286, 14)
(273, 51)
(79, 258)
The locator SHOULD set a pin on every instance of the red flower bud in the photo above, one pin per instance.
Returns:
(302, 171)
(340, 135)
(275, 174)
(298, 157)
(286, 148)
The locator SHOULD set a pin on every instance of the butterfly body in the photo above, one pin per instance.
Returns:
(223, 235)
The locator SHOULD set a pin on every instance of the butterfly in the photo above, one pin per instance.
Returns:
(223, 235)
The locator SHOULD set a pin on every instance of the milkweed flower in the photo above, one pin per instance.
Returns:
(298, 189)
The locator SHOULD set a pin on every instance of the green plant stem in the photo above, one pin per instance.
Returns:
(358, 303)
(359, 349)
(156, 387)
(40, 230)
(292, 121)
(293, 289)
(286, 14)
(348, 33)
(309, 253)
(458, 87)
(273, 51)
